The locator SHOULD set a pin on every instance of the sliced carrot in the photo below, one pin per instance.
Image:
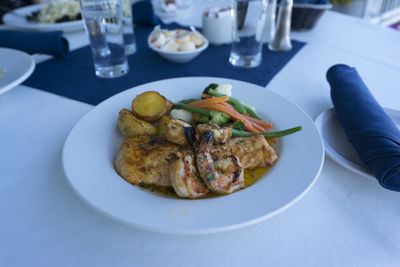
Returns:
(225, 108)
(259, 127)
(236, 116)
(251, 124)
(258, 124)
(264, 124)
(211, 100)
(206, 96)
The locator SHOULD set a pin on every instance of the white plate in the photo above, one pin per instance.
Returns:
(338, 147)
(20, 22)
(15, 67)
(92, 144)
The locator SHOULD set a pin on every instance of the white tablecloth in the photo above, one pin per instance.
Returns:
(344, 220)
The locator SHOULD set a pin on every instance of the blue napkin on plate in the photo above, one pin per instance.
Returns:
(51, 43)
(372, 133)
(142, 14)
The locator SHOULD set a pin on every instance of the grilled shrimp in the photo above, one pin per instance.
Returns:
(174, 132)
(223, 174)
(184, 177)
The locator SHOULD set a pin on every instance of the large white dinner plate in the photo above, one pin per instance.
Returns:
(92, 144)
(19, 21)
(15, 67)
(338, 147)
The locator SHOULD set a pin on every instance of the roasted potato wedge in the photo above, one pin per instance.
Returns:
(162, 125)
(130, 126)
(150, 106)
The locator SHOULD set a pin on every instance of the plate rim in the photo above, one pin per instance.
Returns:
(23, 77)
(203, 230)
(333, 154)
(70, 26)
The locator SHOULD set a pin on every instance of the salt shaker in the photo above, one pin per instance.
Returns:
(281, 41)
(269, 29)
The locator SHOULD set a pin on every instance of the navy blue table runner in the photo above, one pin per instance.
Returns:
(75, 78)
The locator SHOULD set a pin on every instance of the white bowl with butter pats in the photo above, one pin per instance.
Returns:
(179, 56)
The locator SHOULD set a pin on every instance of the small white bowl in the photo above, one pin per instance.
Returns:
(179, 56)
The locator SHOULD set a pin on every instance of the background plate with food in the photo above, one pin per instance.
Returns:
(92, 145)
(25, 18)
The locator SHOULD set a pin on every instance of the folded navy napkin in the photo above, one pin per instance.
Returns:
(142, 14)
(51, 43)
(372, 133)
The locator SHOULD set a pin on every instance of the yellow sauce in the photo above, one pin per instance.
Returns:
(250, 177)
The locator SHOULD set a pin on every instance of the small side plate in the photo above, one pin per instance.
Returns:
(337, 146)
(15, 67)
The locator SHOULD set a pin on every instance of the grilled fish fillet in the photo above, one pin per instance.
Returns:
(145, 159)
(252, 151)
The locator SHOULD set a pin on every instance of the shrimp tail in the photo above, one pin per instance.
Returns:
(207, 140)
(192, 136)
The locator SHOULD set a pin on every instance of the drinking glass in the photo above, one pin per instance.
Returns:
(103, 23)
(127, 28)
(249, 17)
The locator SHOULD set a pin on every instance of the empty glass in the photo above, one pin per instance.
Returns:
(103, 23)
(249, 17)
(127, 28)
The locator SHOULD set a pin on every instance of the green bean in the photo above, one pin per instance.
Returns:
(193, 109)
(236, 104)
(188, 101)
(251, 111)
(238, 133)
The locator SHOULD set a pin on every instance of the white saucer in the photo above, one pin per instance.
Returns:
(337, 146)
(15, 67)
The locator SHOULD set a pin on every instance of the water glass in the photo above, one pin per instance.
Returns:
(249, 17)
(103, 23)
(127, 28)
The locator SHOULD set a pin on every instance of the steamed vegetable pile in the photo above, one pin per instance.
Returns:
(151, 112)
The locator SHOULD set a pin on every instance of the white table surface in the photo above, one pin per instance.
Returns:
(344, 220)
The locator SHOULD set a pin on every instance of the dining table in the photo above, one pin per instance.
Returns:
(345, 219)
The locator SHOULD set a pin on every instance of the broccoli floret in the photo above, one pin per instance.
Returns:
(214, 117)
(204, 119)
(210, 86)
(219, 118)
(238, 125)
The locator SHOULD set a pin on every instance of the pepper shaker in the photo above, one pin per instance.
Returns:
(281, 41)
